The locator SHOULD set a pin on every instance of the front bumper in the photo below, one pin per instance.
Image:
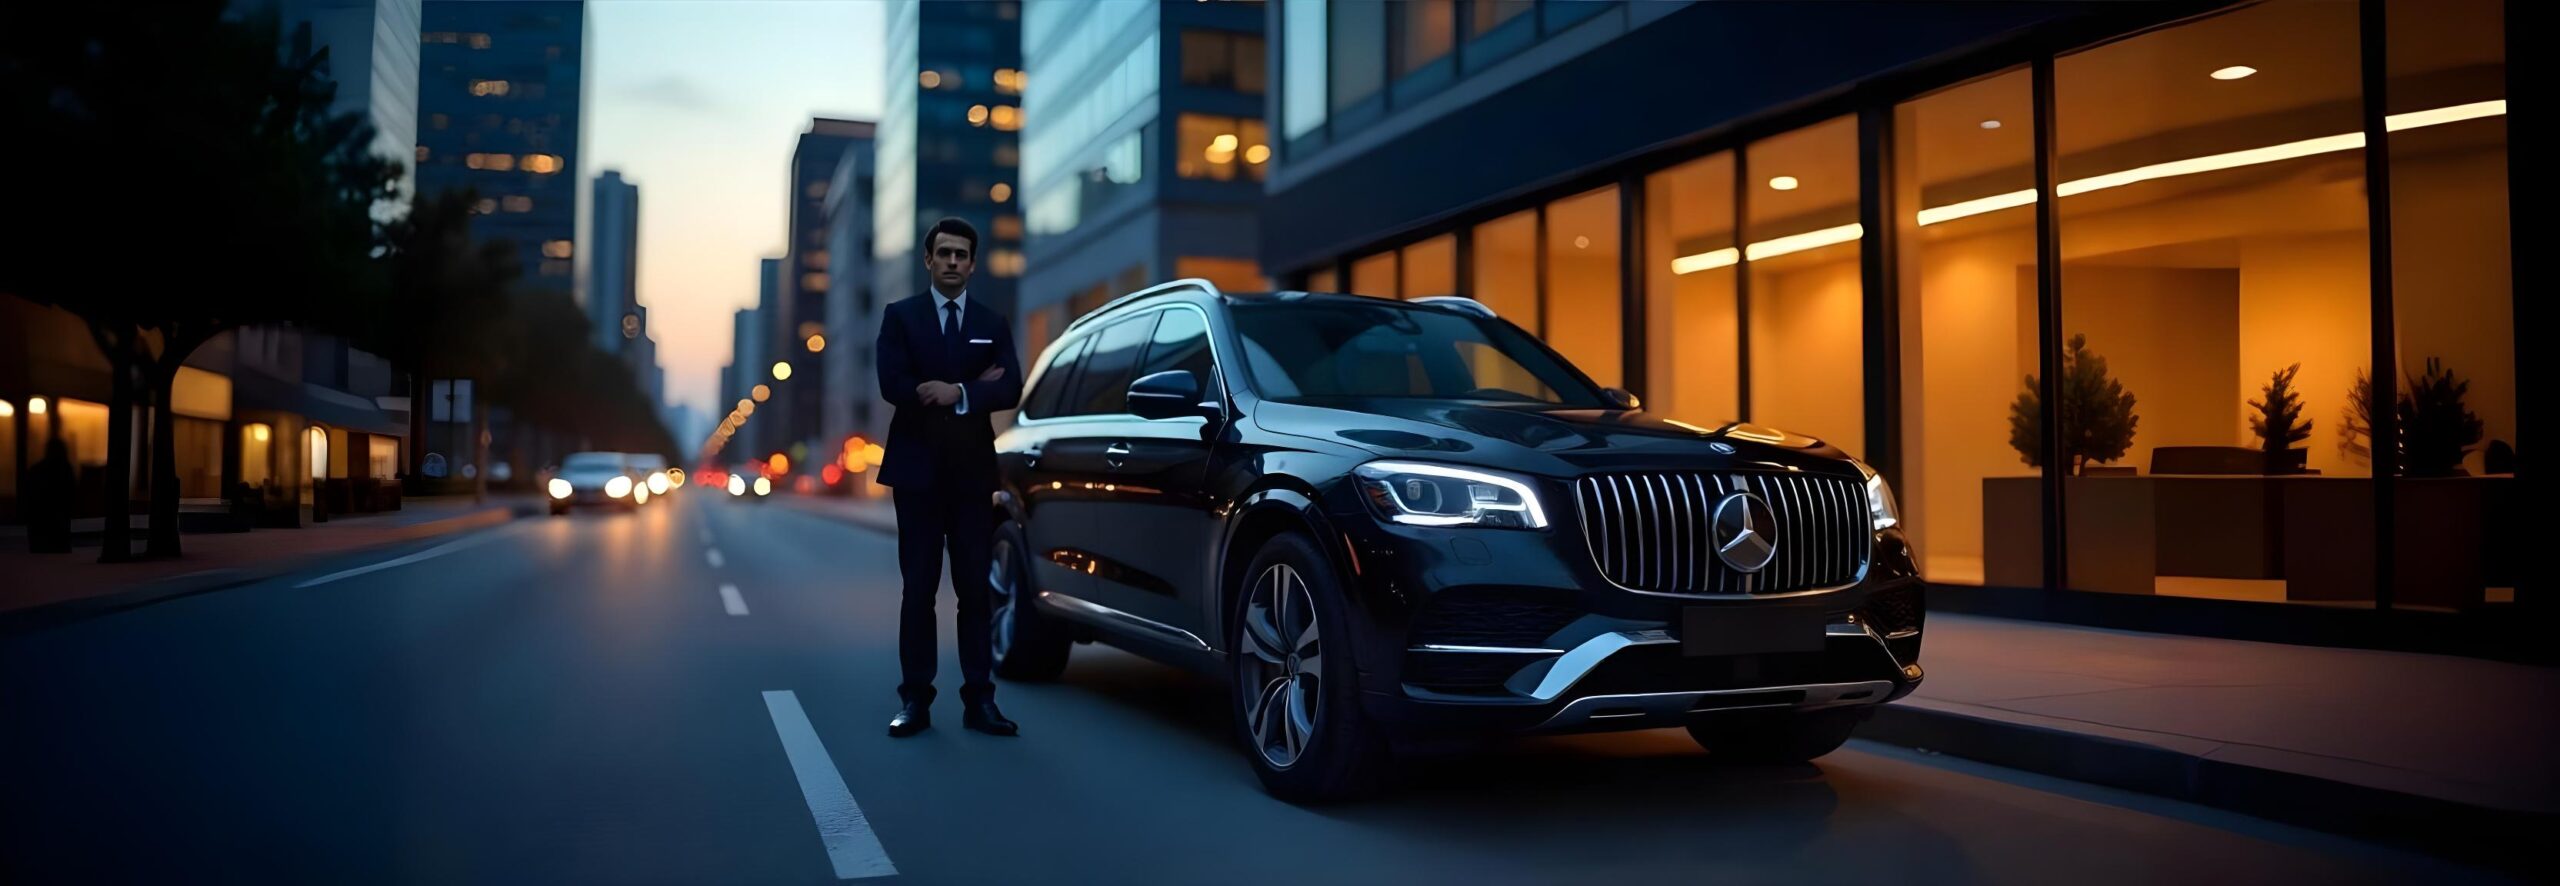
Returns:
(1477, 631)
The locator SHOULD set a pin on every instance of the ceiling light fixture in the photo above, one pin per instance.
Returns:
(1783, 183)
(1990, 124)
(2234, 72)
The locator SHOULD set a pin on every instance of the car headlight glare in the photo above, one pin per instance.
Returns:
(764, 486)
(560, 488)
(737, 485)
(1881, 509)
(618, 487)
(1422, 494)
(658, 483)
(640, 494)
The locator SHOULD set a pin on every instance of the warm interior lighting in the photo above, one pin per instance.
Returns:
(817, 343)
(35, 405)
(1990, 124)
(2234, 72)
(1005, 117)
(260, 432)
(7, 410)
(541, 164)
(1783, 183)
(781, 371)
(1689, 264)
(558, 249)
(1257, 153)
(1226, 141)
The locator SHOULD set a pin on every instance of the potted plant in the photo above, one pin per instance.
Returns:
(2436, 429)
(2279, 424)
(2097, 413)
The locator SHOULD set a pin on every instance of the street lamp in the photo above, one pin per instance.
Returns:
(781, 371)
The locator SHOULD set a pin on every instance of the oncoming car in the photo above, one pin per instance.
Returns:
(649, 470)
(1378, 520)
(595, 478)
(748, 482)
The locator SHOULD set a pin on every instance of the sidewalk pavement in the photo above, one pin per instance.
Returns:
(41, 588)
(2450, 754)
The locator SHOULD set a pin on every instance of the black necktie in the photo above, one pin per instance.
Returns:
(950, 319)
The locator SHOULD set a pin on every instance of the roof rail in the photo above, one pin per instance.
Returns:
(1459, 303)
(1186, 283)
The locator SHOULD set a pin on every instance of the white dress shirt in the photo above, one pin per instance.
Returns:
(942, 320)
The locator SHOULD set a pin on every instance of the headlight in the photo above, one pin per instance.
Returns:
(1881, 509)
(640, 494)
(1439, 495)
(560, 488)
(618, 487)
(658, 483)
(737, 485)
(764, 486)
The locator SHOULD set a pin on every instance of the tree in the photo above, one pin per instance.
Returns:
(2436, 429)
(2097, 413)
(451, 302)
(2278, 422)
(123, 113)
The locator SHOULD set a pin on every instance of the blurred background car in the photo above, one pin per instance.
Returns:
(650, 471)
(594, 478)
(747, 481)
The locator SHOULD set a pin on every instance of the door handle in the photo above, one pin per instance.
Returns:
(1114, 453)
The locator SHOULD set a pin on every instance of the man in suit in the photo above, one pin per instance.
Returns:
(946, 363)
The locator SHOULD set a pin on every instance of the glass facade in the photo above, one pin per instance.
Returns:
(2212, 277)
(948, 138)
(499, 88)
(1345, 63)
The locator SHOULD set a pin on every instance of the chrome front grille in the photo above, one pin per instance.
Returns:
(1656, 531)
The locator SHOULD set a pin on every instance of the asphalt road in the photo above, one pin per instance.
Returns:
(573, 701)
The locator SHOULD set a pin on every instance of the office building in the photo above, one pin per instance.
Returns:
(1143, 151)
(613, 272)
(799, 328)
(948, 143)
(852, 313)
(1828, 218)
(500, 91)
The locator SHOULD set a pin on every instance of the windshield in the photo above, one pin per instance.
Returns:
(593, 461)
(1341, 349)
(649, 461)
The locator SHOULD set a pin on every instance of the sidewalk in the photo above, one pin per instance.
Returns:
(34, 587)
(2451, 753)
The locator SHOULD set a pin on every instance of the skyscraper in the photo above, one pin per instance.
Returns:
(948, 143)
(1103, 222)
(613, 265)
(373, 54)
(799, 328)
(851, 303)
(499, 96)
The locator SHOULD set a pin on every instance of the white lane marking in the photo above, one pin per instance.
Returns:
(855, 851)
(437, 551)
(713, 555)
(730, 600)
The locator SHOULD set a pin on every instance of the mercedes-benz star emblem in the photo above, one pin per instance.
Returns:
(1743, 526)
(1721, 447)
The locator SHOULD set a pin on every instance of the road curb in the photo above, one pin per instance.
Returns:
(2475, 834)
(35, 618)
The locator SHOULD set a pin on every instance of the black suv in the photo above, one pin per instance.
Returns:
(1383, 520)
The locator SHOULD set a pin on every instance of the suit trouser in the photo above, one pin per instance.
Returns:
(931, 522)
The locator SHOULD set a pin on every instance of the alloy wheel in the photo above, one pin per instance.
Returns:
(1286, 671)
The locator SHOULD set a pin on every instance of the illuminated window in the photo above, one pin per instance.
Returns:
(422, 153)
(1374, 275)
(1806, 308)
(541, 164)
(1429, 268)
(491, 162)
(813, 280)
(489, 87)
(1006, 118)
(1490, 14)
(516, 203)
(1212, 147)
(1429, 29)
(977, 115)
(1005, 262)
(1692, 372)
(484, 206)
(1008, 81)
(1008, 227)
(1582, 319)
(1322, 279)
(1000, 192)
(1222, 60)
(1505, 270)
(815, 258)
(557, 249)
(1228, 274)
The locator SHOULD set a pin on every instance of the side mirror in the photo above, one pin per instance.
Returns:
(1174, 393)
(1623, 399)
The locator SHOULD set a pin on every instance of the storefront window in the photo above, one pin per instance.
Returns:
(1968, 305)
(1375, 275)
(1505, 276)
(1302, 62)
(1428, 29)
(1323, 280)
(1430, 267)
(1228, 274)
(2215, 307)
(1582, 312)
(1807, 299)
(2454, 510)
(1692, 367)
(257, 449)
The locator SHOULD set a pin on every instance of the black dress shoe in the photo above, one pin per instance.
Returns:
(910, 720)
(984, 717)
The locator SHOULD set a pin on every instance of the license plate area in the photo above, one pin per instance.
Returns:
(1750, 630)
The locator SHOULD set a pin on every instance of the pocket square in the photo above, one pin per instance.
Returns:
(982, 341)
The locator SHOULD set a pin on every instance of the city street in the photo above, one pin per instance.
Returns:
(696, 693)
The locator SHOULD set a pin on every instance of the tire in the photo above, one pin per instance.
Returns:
(1028, 646)
(1309, 744)
(1782, 737)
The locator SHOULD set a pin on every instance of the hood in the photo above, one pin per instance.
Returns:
(1549, 440)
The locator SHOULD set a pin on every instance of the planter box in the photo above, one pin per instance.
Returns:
(2111, 521)
(2220, 526)
(2453, 539)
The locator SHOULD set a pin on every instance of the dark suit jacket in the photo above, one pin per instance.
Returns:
(932, 447)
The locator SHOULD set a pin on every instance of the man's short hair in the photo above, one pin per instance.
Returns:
(953, 227)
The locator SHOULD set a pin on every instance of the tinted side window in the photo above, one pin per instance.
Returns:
(1102, 385)
(1181, 342)
(1059, 372)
